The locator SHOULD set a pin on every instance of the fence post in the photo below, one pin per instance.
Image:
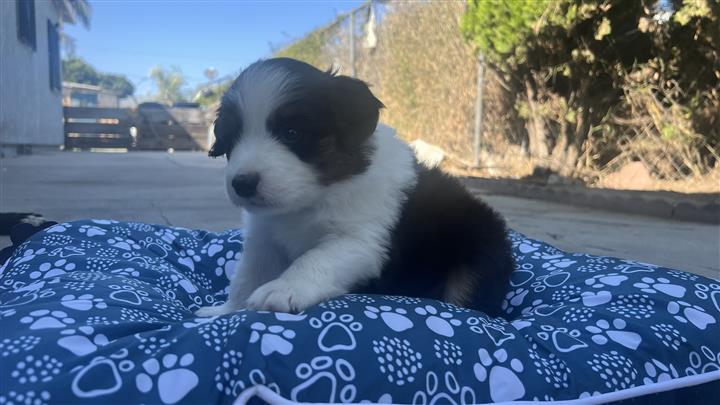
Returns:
(479, 108)
(352, 43)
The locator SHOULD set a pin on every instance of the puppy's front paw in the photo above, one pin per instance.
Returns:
(217, 310)
(281, 296)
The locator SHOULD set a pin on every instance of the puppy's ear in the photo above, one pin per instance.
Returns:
(227, 130)
(355, 110)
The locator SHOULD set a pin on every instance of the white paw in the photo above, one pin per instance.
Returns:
(217, 310)
(282, 296)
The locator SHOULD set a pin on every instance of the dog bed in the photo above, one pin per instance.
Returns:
(102, 312)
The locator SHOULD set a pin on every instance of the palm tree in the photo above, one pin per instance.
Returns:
(72, 11)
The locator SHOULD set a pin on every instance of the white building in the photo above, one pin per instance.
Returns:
(30, 79)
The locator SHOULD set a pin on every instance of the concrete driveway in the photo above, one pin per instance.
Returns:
(186, 189)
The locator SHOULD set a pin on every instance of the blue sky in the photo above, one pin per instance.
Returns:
(130, 37)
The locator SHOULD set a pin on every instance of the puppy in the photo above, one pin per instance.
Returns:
(336, 203)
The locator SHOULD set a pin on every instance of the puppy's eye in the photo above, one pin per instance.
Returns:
(291, 135)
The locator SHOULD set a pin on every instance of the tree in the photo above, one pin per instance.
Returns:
(169, 84)
(78, 71)
(74, 10)
(578, 67)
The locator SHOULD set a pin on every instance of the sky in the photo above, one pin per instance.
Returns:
(131, 36)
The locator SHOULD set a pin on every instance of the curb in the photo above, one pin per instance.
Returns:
(702, 208)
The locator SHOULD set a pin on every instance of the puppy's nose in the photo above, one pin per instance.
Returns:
(245, 185)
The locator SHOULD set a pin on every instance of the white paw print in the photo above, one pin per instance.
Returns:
(633, 306)
(91, 230)
(602, 333)
(52, 269)
(212, 248)
(395, 319)
(334, 304)
(559, 263)
(82, 341)
(448, 352)
(272, 338)
(123, 243)
(46, 319)
(228, 264)
(57, 240)
(337, 331)
(504, 383)
(553, 370)
(703, 362)
(151, 345)
(27, 255)
(83, 302)
(398, 361)
(400, 299)
(172, 379)
(441, 389)
(439, 322)
(653, 285)
(604, 280)
(685, 312)
(359, 298)
(617, 371)
(658, 372)
(578, 314)
(514, 299)
(554, 279)
(32, 369)
(323, 379)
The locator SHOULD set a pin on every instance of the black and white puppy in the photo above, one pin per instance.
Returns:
(336, 203)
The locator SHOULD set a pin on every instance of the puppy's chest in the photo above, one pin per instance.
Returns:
(297, 236)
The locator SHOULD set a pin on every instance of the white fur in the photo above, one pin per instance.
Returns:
(313, 242)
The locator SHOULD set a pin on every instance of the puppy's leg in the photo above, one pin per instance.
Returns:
(330, 269)
(260, 263)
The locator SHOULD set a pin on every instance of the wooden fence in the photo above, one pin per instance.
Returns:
(141, 129)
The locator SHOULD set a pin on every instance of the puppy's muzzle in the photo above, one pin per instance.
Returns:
(245, 185)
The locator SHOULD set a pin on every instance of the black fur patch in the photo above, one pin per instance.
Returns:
(444, 230)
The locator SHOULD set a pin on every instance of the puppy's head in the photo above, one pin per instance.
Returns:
(289, 130)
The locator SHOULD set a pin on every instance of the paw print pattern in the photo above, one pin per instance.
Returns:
(52, 269)
(171, 312)
(661, 284)
(14, 346)
(107, 252)
(227, 264)
(505, 385)
(227, 374)
(272, 338)
(123, 243)
(439, 322)
(338, 332)
(83, 302)
(212, 248)
(82, 341)
(134, 315)
(578, 314)
(397, 360)
(453, 308)
(683, 275)
(635, 306)
(99, 320)
(56, 240)
(656, 372)
(395, 319)
(152, 345)
(334, 304)
(127, 272)
(558, 263)
(27, 398)
(602, 333)
(553, 370)
(441, 389)
(606, 280)
(217, 331)
(324, 380)
(616, 370)
(448, 352)
(46, 319)
(567, 293)
(554, 279)
(100, 265)
(359, 298)
(400, 299)
(171, 377)
(514, 299)
(33, 369)
(711, 291)
(685, 312)
(91, 230)
(703, 362)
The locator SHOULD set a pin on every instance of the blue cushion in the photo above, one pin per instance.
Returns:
(102, 312)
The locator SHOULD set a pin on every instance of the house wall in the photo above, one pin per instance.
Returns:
(30, 112)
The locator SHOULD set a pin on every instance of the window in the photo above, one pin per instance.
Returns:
(54, 55)
(26, 22)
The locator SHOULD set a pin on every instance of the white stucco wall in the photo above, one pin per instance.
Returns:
(30, 113)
